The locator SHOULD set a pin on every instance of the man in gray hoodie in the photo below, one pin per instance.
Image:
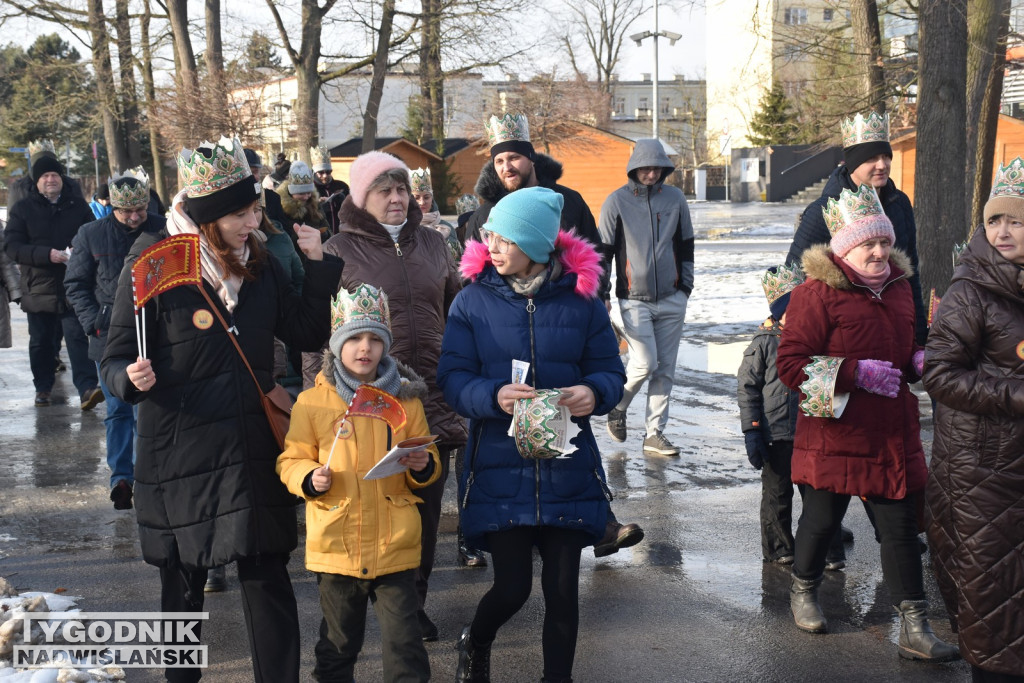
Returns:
(645, 228)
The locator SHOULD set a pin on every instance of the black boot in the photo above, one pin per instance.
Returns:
(555, 680)
(474, 660)
(917, 640)
(803, 602)
(468, 555)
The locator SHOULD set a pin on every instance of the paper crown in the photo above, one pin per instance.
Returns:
(320, 158)
(958, 251)
(820, 399)
(541, 427)
(781, 280)
(212, 167)
(124, 195)
(851, 207)
(364, 304)
(1009, 180)
(467, 203)
(508, 127)
(420, 180)
(37, 146)
(860, 129)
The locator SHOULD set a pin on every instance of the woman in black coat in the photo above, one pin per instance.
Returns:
(205, 486)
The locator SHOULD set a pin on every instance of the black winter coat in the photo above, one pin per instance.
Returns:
(97, 256)
(34, 227)
(762, 396)
(811, 230)
(206, 489)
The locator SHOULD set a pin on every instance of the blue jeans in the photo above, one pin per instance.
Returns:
(44, 343)
(120, 423)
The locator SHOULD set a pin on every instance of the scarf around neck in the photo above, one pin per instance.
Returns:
(387, 380)
(872, 281)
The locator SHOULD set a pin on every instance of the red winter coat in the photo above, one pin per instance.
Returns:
(874, 448)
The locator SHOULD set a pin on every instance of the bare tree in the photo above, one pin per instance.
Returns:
(941, 144)
(216, 93)
(380, 67)
(149, 95)
(112, 132)
(602, 25)
(128, 116)
(864, 18)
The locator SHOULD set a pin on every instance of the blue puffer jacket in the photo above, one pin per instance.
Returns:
(567, 339)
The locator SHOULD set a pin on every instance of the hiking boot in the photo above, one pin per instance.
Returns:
(121, 495)
(216, 580)
(42, 399)
(617, 424)
(428, 629)
(917, 640)
(803, 602)
(657, 443)
(92, 398)
(618, 536)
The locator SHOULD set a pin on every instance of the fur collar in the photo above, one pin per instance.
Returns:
(818, 264)
(577, 256)
(307, 212)
(413, 386)
(491, 189)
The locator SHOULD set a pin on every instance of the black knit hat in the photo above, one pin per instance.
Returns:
(856, 155)
(45, 163)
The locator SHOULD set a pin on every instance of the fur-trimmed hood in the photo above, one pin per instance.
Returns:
(413, 386)
(576, 255)
(490, 187)
(818, 264)
(307, 212)
(360, 222)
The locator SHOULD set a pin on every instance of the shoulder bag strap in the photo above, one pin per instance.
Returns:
(231, 336)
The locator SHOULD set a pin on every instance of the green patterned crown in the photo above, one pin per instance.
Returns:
(212, 167)
(125, 195)
(320, 158)
(420, 179)
(860, 129)
(781, 280)
(37, 146)
(1009, 180)
(851, 207)
(364, 304)
(508, 127)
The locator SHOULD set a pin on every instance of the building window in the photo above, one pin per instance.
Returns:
(644, 106)
(620, 105)
(826, 15)
(793, 52)
(666, 103)
(795, 16)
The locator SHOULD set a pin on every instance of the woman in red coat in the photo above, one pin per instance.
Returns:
(849, 347)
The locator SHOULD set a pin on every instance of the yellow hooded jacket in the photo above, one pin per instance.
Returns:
(358, 528)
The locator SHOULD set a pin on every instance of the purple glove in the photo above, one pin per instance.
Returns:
(919, 362)
(878, 377)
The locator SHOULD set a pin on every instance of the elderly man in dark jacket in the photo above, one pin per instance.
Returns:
(39, 231)
(97, 256)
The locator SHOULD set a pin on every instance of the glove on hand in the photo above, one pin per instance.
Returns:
(919, 362)
(878, 377)
(757, 448)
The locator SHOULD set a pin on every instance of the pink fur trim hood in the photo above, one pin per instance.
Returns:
(577, 256)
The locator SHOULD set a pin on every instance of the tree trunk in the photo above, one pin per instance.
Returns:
(864, 18)
(191, 122)
(380, 68)
(216, 94)
(941, 144)
(434, 97)
(988, 26)
(117, 155)
(307, 77)
(129, 99)
(149, 93)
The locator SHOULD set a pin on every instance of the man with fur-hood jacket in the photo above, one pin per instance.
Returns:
(646, 229)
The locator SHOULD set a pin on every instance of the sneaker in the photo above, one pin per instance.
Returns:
(617, 424)
(835, 565)
(216, 580)
(121, 495)
(616, 537)
(427, 627)
(42, 398)
(92, 398)
(660, 445)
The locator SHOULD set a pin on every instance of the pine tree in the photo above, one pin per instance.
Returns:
(774, 123)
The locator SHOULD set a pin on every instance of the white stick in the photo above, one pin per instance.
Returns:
(138, 334)
(333, 444)
(144, 349)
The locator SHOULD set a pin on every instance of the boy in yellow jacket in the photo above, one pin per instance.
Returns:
(362, 536)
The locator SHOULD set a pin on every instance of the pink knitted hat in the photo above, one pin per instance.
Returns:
(367, 168)
(856, 218)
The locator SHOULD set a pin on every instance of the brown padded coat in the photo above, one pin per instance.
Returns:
(974, 369)
(421, 280)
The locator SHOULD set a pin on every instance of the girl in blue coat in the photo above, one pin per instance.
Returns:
(532, 298)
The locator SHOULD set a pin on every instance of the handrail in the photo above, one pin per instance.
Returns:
(827, 150)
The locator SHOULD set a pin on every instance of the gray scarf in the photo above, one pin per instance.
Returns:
(528, 286)
(387, 380)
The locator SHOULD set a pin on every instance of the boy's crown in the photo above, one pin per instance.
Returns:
(320, 158)
(364, 304)
(124, 195)
(781, 280)
(212, 167)
(420, 179)
(860, 129)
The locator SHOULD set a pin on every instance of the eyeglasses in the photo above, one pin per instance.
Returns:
(501, 244)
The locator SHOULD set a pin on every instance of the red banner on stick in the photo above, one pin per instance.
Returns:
(167, 264)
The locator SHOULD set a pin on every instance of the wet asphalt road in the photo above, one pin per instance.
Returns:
(693, 602)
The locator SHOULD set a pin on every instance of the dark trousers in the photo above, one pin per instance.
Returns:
(430, 520)
(896, 523)
(343, 602)
(44, 330)
(268, 604)
(777, 502)
(982, 676)
(512, 559)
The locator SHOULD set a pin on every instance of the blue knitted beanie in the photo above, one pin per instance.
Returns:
(529, 217)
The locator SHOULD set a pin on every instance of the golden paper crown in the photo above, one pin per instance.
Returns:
(127, 195)
(37, 146)
(420, 180)
(365, 304)
(1009, 180)
(781, 280)
(851, 207)
(508, 127)
(320, 158)
(860, 129)
(212, 167)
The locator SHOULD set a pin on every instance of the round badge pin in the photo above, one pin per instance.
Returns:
(1020, 350)
(202, 319)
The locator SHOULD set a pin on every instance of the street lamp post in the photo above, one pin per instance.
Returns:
(638, 38)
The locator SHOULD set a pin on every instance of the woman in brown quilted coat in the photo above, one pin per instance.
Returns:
(974, 369)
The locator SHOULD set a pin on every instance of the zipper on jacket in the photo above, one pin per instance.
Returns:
(472, 462)
(531, 307)
(414, 348)
(655, 234)
(177, 419)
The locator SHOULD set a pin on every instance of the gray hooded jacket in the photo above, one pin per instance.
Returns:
(647, 230)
